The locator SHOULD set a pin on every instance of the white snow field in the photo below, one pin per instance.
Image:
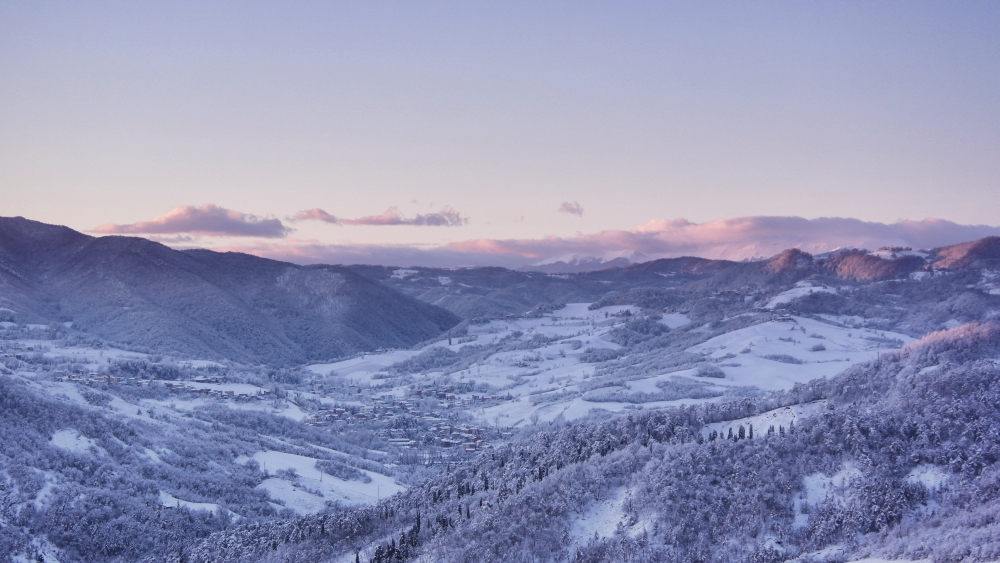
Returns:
(599, 519)
(765, 355)
(542, 380)
(932, 477)
(778, 418)
(801, 289)
(772, 355)
(312, 489)
(73, 441)
(170, 501)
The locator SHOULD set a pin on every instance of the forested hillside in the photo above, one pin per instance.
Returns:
(162, 405)
(144, 295)
(899, 461)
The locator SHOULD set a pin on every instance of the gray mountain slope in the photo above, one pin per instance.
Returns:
(216, 305)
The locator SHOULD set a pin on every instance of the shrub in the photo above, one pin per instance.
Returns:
(342, 471)
(707, 370)
(783, 358)
(598, 355)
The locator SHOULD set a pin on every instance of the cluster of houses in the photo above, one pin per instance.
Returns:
(453, 399)
(444, 435)
(440, 433)
(382, 409)
(464, 436)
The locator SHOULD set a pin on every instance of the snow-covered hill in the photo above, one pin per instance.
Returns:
(800, 399)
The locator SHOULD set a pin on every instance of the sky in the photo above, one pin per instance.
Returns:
(450, 133)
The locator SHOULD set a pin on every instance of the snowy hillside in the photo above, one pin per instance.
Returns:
(570, 422)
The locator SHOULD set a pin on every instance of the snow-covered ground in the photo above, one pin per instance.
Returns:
(765, 355)
(778, 418)
(932, 477)
(772, 355)
(675, 320)
(312, 489)
(801, 289)
(600, 519)
(170, 501)
(73, 441)
(821, 488)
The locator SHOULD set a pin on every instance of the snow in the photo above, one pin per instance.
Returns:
(200, 364)
(844, 347)
(286, 409)
(932, 477)
(171, 501)
(821, 488)
(364, 366)
(849, 320)
(42, 548)
(322, 488)
(236, 388)
(891, 254)
(801, 289)
(556, 367)
(42, 497)
(402, 274)
(73, 441)
(778, 418)
(600, 518)
(675, 320)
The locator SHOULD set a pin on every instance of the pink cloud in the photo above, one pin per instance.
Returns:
(447, 217)
(572, 208)
(315, 214)
(205, 220)
(734, 239)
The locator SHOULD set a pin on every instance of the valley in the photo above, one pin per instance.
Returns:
(589, 425)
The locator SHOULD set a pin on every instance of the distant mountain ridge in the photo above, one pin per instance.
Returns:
(494, 291)
(230, 305)
(214, 305)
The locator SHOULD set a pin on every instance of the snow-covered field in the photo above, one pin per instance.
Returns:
(312, 489)
(801, 289)
(772, 355)
(778, 418)
(778, 354)
(531, 381)
(73, 441)
(599, 519)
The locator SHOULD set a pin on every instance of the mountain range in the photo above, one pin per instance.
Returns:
(142, 294)
(810, 408)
